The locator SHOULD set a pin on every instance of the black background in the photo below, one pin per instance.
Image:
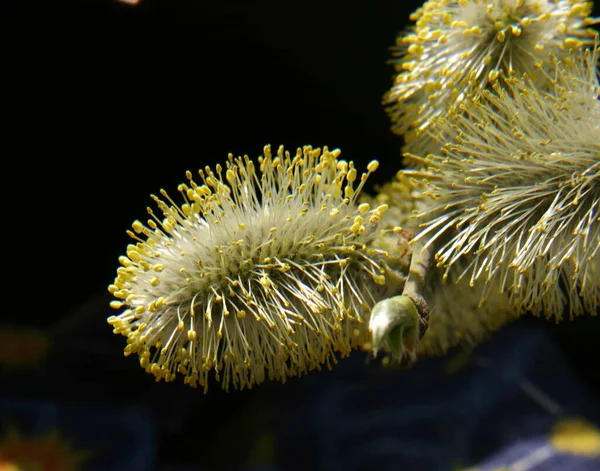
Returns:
(104, 103)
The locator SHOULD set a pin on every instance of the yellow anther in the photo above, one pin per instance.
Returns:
(572, 43)
(351, 175)
(137, 226)
(373, 165)
(382, 208)
(265, 281)
(379, 279)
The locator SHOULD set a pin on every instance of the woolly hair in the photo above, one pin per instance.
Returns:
(519, 190)
(259, 273)
(458, 47)
(458, 313)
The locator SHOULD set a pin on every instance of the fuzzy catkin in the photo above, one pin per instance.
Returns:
(264, 271)
(458, 48)
(518, 189)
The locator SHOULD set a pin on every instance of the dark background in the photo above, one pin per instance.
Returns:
(106, 103)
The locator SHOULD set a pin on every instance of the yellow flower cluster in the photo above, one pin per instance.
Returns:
(275, 266)
(264, 270)
(519, 189)
(459, 48)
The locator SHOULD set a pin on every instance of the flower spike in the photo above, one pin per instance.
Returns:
(263, 271)
(458, 48)
(518, 190)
